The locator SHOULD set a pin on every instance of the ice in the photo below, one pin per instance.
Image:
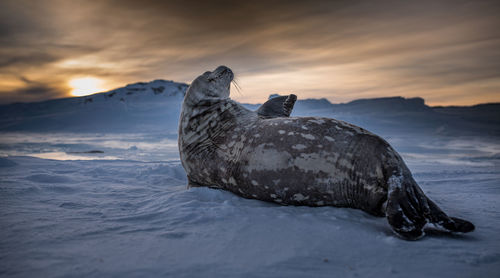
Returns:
(131, 218)
(107, 202)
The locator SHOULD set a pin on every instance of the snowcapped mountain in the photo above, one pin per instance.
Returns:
(141, 106)
(155, 107)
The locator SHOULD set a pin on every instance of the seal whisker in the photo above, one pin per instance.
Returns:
(236, 85)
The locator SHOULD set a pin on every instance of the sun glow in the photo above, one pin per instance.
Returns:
(86, 86)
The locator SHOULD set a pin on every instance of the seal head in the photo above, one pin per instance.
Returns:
(210, 85)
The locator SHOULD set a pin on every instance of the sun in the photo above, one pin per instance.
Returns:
(86, 86)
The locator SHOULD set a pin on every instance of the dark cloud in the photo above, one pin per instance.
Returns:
(40, 90)
(25, 59)
(340, 49)
(32, 91)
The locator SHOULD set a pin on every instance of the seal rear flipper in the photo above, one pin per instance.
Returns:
(408, 210)
(403, 216)
(452, 224)
(462, 226)
(277, 107)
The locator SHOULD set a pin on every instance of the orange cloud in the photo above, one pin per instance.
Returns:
(445, 51)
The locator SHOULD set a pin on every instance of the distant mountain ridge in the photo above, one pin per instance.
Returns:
(142, 106)
(155, 106)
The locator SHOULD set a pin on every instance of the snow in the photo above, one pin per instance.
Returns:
(135, 217)
(102, 203)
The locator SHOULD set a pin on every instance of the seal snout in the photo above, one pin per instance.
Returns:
(223, 71)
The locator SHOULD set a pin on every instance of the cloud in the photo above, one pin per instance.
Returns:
(341, 50)
(32, 91)
(45, 91)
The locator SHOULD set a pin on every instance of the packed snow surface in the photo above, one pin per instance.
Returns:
(124, 211)
(93, 187)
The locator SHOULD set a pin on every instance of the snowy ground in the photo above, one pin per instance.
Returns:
(126, 212)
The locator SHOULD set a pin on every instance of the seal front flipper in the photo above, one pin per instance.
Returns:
(277, 107)
(193, 184)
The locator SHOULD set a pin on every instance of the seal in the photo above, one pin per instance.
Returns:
(311, 161)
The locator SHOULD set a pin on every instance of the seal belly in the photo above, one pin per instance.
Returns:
(313, 162)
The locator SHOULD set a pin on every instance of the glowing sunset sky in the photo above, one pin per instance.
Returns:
(447, 52)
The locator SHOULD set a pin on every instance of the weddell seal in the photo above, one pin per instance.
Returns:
(311, 161)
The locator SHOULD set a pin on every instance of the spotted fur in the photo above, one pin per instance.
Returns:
(299, 160)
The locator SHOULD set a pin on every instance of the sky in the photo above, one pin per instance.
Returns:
(447, 52)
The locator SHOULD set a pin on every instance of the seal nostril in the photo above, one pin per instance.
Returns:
(222, 69)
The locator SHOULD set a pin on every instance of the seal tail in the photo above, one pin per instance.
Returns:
(408, 210)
